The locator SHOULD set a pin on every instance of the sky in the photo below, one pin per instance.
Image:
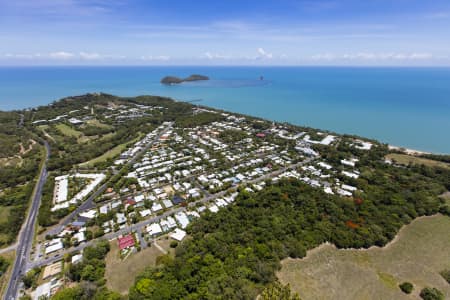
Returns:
(226, 32)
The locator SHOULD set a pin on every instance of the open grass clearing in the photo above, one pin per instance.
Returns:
(14, 161)
(97, 123)
(68, 131)
(120, 274)
(418, 253)
(4, 213)
(405, 159)
(109, 154)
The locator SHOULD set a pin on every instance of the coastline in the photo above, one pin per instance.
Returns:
(408, 151)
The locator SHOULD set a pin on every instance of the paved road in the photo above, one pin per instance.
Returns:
(27, 233)
(89, 203)
(139, 226)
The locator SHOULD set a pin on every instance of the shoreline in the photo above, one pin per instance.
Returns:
(409, 151)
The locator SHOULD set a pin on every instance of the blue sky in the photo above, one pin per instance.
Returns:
(227, 32)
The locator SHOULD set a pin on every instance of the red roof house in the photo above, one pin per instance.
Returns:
(126, 242)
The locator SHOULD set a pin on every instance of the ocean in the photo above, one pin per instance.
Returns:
(408, 107)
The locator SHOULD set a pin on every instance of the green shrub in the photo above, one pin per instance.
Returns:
(431, 294)
(406, 287)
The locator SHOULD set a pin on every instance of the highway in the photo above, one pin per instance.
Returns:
(27, 233)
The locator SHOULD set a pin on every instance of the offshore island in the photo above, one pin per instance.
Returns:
(169, 80)
(149, 198)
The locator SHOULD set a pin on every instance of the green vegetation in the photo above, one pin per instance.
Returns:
(405, 159)
(198, 119)
(417, 255)
(406, 287)
(232, 136)
(46, 217)
(237, 251)
(89, 275)
(85, 291)
(431, 294)
(67, 130)
(277, 291)
(31, 278)
(92, 268)
(110, 154)
(120, 273)
(13, 203)
(4, 264)
(446, 275)
(6, 260)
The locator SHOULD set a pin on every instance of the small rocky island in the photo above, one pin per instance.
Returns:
(176, 80)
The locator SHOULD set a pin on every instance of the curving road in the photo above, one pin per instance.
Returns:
(27, 233)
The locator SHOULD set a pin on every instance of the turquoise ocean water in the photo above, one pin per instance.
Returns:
(408, 107)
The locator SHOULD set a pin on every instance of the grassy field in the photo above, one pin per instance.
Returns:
(97, 123)
(5, 277)
(404, 159)
(109, 154)
(120, 274)
(418, 254)
(68, 131)
(4, 213)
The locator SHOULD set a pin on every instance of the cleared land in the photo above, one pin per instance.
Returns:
(418, 253)
(404, 159)
(120, 274)
(109, 154)
(97, 123)
(68, 131)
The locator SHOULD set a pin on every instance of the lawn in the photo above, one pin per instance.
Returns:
(120, 274)
(418, 254)
(405, 159)
(68, 131)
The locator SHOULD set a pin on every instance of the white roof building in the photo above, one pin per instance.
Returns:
(213, 208)
(178, 234)
(54, 245)
(145, 212)
(154, 229)
(182, 219)
(167, 203)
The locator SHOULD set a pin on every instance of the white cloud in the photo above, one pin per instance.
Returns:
(156, 58)
(61, 55)
(90, 56)
(263, 54)
(369, 56)
(212, 56)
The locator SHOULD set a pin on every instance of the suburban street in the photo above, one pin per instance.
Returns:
(138, 227)
(23, 262)
(89, 203)
(26, 234)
